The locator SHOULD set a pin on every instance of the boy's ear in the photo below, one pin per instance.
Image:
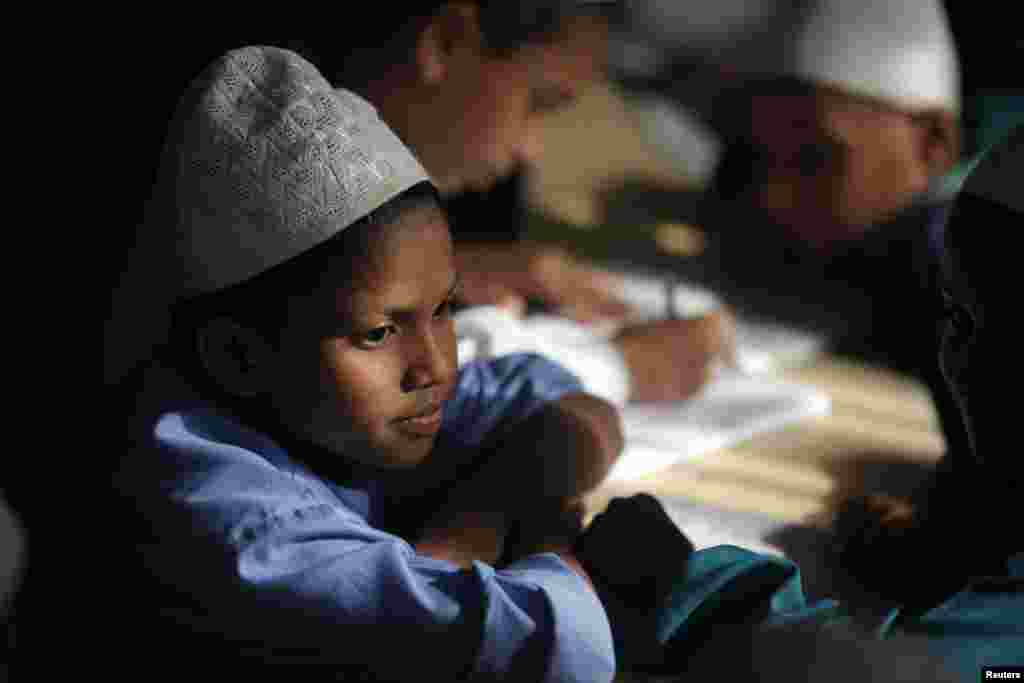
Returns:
(454, 28)
(939, 142)
(237, 358)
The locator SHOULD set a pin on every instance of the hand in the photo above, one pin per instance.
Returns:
(635, 554)
(635, 551)
(891, 548)
(555, 530)
(464, 537)
(671, 360)
(510, 274)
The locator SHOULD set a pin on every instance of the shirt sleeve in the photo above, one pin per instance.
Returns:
(275, 557)
(504, 389)
(586, 351)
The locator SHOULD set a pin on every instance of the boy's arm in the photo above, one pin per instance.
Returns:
(559, 453)
(535, 469)
(286, 564)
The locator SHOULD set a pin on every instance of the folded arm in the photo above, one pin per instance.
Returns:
(290, 565)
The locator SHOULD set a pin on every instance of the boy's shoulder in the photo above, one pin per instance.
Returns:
(193, 442)
(177, 420)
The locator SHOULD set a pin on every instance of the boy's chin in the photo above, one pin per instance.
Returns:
(395, 454)
(403, 456)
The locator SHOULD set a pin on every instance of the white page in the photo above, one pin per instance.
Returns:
(730, 409)
(761, 347)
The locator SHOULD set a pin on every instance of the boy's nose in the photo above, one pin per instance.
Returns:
(428, 363)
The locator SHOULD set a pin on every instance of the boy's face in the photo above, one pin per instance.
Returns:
(490, 106)
(827, 166)
(368, 361)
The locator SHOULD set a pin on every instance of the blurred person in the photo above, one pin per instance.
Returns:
(840, 121)
(957, 605)
(465, 85)
(969, 504)
(848, 132)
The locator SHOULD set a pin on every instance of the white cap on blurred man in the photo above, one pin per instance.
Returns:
(900, 51)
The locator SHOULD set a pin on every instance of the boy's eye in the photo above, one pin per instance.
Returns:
(376, 336)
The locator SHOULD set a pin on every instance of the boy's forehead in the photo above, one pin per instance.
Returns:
(396, 261)
(412, 292)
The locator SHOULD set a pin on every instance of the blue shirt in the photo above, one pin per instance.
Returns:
(281, 557)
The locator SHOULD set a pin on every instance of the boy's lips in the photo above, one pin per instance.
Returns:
(428, 411)
(424, 423)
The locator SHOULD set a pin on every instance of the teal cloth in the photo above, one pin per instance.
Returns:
(981, 625)
(986, 119)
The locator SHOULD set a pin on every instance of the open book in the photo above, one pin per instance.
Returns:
(734, 406)
(730, 409)
(762, 347)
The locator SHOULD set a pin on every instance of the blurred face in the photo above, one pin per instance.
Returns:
(485, 121)
(367, 363)
(827, 166)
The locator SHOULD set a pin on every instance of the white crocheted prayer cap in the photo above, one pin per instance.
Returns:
(269, 161)
(897, 50)
(900, 51)
(999, 176)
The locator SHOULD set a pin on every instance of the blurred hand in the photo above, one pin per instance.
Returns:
(634, 550)
(635, 555)
(670, 360)
(895, 550)
(510, 274)
(464, 537)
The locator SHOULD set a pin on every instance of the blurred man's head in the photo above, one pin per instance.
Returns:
(837, 114)
(825, 165)
(463, 83)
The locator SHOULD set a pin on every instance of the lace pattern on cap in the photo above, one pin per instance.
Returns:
(273, 161)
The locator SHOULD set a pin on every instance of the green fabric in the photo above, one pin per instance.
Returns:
(983, 624)
(728, 577)
(986, 119)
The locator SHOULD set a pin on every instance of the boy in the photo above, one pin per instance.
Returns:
(487, 73)
(464, 85)
(316, 480)
(847, 137)
(736, 614)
